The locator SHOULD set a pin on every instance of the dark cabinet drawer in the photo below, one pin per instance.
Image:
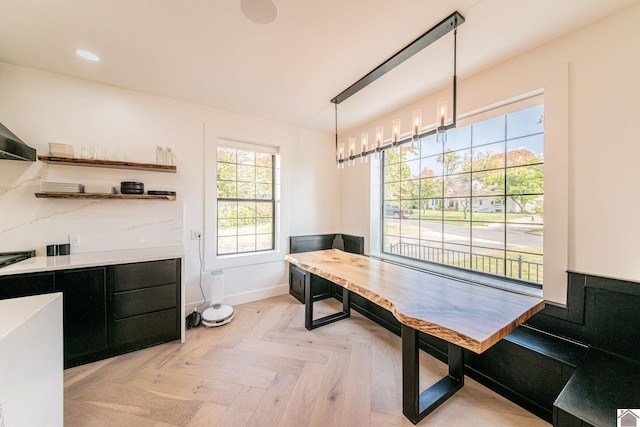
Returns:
(146, 300)
(23, 285)
(145, 274)
(145, 304)
(145, 329)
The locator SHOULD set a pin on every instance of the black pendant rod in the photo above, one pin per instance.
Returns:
(444, 27)
(336, 108)
(455, 73)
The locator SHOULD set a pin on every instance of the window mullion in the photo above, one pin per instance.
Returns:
(504, 216)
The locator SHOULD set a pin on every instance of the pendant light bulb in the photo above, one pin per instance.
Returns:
(417, 122)
(364, 137)
(395, 130)
(441, 108)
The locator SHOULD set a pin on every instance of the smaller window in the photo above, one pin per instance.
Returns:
(245, 200)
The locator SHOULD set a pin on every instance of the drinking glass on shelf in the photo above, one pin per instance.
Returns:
(86, 151)
(160, 155)
(99, 152)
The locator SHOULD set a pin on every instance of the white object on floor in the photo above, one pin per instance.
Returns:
(217, 314)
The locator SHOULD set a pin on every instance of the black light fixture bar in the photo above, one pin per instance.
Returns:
(434, 33)
(434, 131)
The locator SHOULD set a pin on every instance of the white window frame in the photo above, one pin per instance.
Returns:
(237, 200)
(556, 198)
(212, 259)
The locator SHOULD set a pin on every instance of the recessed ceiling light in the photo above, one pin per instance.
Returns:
(90, 56)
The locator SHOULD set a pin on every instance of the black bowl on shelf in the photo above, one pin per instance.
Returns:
(129, 187)
(129, 191)
(131, 184)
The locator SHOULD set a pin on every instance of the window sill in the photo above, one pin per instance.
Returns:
(465, 276)
(245, 259)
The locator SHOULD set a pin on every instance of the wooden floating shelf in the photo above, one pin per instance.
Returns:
(112, 164)
(101, 196)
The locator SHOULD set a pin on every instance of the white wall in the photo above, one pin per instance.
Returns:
(592, 102)
(42, 107)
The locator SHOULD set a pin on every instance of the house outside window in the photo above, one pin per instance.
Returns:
(245, 200)
(472, 198)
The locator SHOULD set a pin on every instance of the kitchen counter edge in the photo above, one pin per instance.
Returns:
(39, 264)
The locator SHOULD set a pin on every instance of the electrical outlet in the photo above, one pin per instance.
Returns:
(195, 235)
(74, 240)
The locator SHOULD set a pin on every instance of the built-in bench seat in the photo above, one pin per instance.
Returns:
(560, 349)
(529, 367)
(602, 313)
(603, 384)
(600, 385)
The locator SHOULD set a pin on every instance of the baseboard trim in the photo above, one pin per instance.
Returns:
(257, 295)
(244, 297)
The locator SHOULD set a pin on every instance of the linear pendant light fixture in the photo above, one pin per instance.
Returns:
(447, 25)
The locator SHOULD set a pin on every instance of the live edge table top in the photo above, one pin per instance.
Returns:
(474, 317)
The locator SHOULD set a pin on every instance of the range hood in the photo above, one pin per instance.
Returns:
(11, 148)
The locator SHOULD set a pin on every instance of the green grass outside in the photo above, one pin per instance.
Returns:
(475, 216)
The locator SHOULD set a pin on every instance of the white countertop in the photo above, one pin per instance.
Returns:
(31, 361)
(15, 311)
(91, 259)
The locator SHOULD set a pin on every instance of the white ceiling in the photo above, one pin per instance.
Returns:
(208, 52)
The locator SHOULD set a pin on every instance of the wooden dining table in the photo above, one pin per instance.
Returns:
(466, 315)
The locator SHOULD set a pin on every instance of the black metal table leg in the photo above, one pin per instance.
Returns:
(416, 405)
(309, 322)
(308, 302)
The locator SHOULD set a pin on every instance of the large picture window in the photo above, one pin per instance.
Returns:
(471, 198)
(245, 200)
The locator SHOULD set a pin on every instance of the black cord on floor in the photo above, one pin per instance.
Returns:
(204, 299)
(194, 318)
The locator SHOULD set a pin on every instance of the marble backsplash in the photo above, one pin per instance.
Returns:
(28, 223)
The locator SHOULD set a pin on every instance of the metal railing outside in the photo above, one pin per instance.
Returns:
(516, 268)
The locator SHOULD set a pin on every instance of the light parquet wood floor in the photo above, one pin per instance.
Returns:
(265, 369)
